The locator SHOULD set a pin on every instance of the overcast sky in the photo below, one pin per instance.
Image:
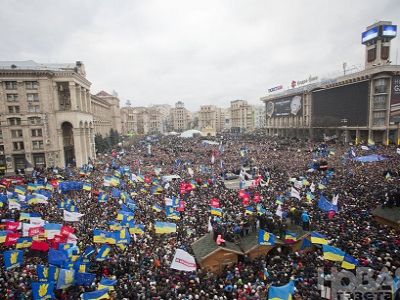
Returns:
(199, 52)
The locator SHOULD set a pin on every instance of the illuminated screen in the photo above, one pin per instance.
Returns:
(369, 34)
(389, 30)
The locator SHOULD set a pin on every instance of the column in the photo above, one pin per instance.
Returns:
(385, 137)
(72, 93)
(78, 97)
(83, 99)
(346, 136)
(61, 160)
(55, 97)
(89, 101)
(87, 144)
(398, 134)
(357, 136)
(78, 147)
(370, 136)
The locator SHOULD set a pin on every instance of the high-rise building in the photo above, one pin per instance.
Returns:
(46, 115)
(180, 117)
(242, 117)
(211, 118)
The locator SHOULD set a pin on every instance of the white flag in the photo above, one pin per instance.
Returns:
(71, 216)
(183, 261)
(26, 227)
(168, 201)
(312, 187)
(37, 221)
(279, 211)
(212, 159)
(190, 171)
(364, 148)
(298, 184)
(295, 193)
(72, 239)
(335, 199)
(13, 204)
(398, 151)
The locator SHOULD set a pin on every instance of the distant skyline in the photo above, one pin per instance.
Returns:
(198, 52)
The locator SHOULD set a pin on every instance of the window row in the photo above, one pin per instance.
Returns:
(31, 97)
(36, 145)
(16, 109)
(29, 85)
(17, 133)
(31, 121)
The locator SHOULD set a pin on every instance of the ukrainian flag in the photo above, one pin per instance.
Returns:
(156, 208)
(117, 173)
(164, 227)
(96, 295)
(103, 253)
(125, 215)
(49, 187)
(317, 238)
(32, 187)
(115, 226)
(20, 190)
(24, 216)
(114, 181)
(137, 229)
(266, 238)
(249, 210)
(111, 238)
(99, 236)
(171, 213)
(107, 284)
(43, 290)
(24, 242)
(284, 292)
(349, 262)
(332, 253)
(216, 211)
(87, 186)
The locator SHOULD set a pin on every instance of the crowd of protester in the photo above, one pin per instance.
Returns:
(142, 269)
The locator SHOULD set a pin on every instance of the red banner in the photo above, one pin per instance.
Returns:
(67, 230)
(35, 231)
(12, 225)
(11, 239)
(40, 246)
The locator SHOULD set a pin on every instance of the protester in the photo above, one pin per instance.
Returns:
(131, 181)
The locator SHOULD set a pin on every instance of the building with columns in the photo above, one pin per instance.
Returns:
(46, 115)
(211, 119)
(361, 106)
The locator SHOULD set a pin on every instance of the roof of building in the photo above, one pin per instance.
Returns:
(205, 246)
(32, 65)
(103, 94)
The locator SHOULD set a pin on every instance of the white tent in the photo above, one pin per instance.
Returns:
(190, 133)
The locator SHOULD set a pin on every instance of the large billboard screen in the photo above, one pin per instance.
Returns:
(395, 97)
(342, 106)
(369, 34)
(389, 30)
(288, 106)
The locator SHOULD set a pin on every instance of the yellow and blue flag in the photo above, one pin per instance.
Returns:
(349, 262)
(137, 229)
(317, 238)
(49, 273)
(157, 208)
(20, 190)
(164, 227)
(102, 197)
(249, 210)
(171, 213)
(13, 258)
(84, 279)
(96, 295)
(65, 278)
(100, 236)
(103, 253)
(122, 236)
(106, 283)
(87, 186)
(265, 238)
(216, 211)
(23, 242)
(3, 235)
(332, 253)
(284, 292)
(290, 237)
(43, 290)
(125, 215)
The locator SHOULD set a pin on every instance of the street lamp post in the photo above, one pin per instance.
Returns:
(344, 126)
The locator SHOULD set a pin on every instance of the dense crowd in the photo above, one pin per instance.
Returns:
(142, 268)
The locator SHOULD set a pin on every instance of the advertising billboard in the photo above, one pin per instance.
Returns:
(288, 106)
(395, 97)
(341, 106)
(389, 30)
(369, 34)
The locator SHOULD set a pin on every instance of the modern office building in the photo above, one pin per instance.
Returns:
(363, 106)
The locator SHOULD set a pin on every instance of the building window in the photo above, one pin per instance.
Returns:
(36, 132)
(16, 133)
(1, 134)
(35, 120)
(32, 85)
(381, 85)
(379, 118)
(39, 160)
(13, 109)
(33, 108)
(20, 162)
(385, 52)
(12, 97)
(380, 102)
(371, 54)
(14, 121)
(11, 85)
(32, 97)
(37, 145)
(17, 146)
